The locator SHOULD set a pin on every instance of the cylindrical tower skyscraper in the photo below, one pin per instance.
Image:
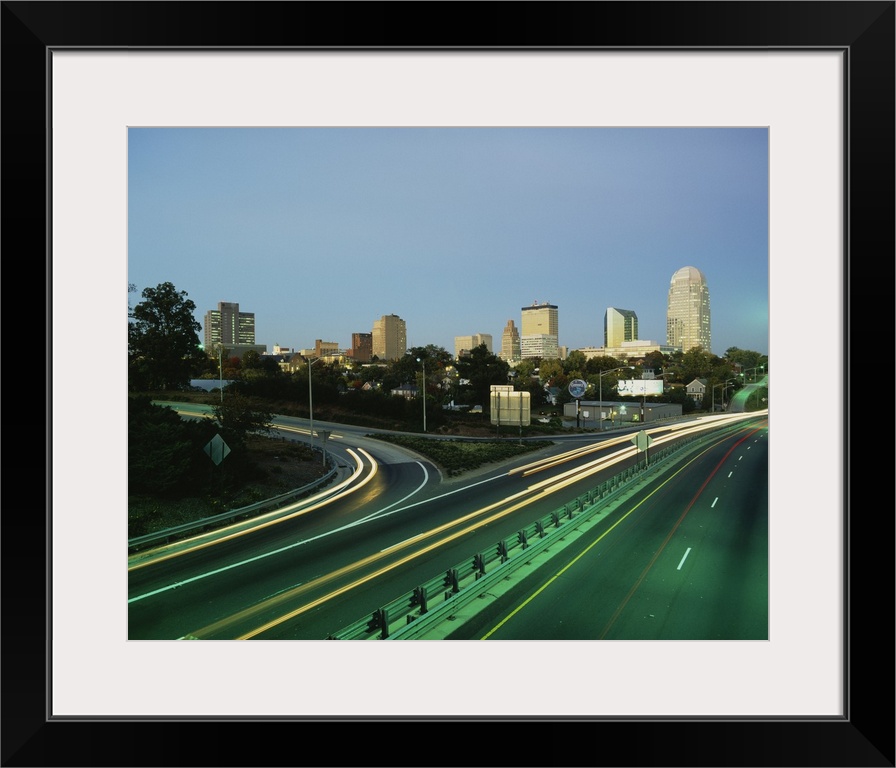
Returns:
(687, 317)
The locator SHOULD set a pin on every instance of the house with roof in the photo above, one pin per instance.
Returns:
(408, 391)
(696, 390)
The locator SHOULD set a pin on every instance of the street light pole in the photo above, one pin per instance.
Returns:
(747, 372)
(221, 372)
(310, 404)
(644, 397)
(423, 389)
(725, 391)
(723, 384)
(600, 384)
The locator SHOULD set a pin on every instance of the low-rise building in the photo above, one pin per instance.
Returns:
(408, 391)
(696, 390)
(616, 412)
(629, 350)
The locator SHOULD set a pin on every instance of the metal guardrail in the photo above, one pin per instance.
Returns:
(451, 591)
(412, 614)
(230, 515)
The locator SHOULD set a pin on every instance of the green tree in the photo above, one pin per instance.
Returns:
(372, 373)
(162, 449)
(163, 341)
(595, 365)
(328, 381)
(673, 360)
(233, 368)
(256, 366)
(746, 359)
(679, 395)
(402, 370)
(655, 360)
(437, 358)
(525, 379)
(575, 364)
(239, 416)
(525, 368)
(551, 372)
(271, 367)
(696, 363)
(482, 369)
(673, 375)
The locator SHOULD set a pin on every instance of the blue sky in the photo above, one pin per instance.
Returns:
(321, 231)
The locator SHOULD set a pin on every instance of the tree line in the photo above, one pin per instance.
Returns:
(164, 354)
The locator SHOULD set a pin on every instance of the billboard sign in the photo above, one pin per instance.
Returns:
(639, 387)
(510, 408)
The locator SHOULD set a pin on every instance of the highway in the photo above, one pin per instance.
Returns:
(685, 558)
(305, 571)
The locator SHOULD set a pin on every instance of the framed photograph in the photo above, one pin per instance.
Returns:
(818, 76)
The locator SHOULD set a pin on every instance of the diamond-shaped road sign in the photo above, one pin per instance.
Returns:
(217, 449)
(642, 440)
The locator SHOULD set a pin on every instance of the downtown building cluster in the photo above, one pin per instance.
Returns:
(687, 326)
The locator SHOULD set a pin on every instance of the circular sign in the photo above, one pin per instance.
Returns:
(577, 388)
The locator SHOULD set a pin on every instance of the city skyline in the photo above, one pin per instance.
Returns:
(320, 232)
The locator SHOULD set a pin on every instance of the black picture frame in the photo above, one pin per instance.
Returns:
(863, 30)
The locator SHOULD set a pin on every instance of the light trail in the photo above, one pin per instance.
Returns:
(534, 493)
(240, 564)
(663, 434)
(303, 431)
(276, 517)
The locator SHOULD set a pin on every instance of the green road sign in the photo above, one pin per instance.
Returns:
(217, 449)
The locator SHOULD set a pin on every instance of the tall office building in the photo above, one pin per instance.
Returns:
(619, 325)
(539, 331)
(229, 327)
(687, 318)
(463, 345)
(390, 338)
(510, 343)
(326, 348)
(362, 347)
